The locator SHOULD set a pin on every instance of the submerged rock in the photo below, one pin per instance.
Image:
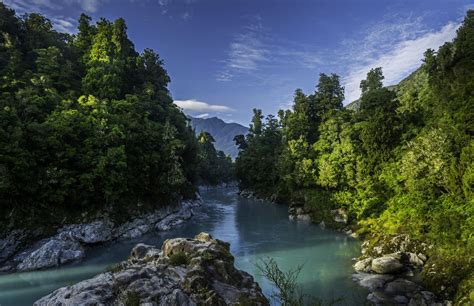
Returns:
(197, 271)
(52, 253)
(372, 281)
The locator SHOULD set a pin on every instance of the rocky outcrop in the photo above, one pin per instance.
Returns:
(89, 233)
(197, 271)
(50, 253)
(391, 277)
(71, 241)
(11, 243)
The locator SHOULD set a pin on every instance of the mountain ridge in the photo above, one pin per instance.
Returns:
(222, 132)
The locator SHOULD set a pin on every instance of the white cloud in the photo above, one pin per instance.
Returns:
(45, 6)
(246, 52)
(64, 24)
(198, 106)
(397, 49)
(202, 115)
(256, 48)
(89, 6)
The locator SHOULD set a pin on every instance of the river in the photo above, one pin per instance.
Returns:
(255, 230)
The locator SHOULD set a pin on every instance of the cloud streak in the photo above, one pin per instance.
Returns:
(255, 49)
(398, 48)
(201, 107)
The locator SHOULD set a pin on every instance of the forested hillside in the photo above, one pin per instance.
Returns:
(86, 124)
(221, 131)
(402, 162)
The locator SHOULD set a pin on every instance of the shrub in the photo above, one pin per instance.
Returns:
(179, 259)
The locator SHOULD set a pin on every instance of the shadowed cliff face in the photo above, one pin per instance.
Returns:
(222, 132)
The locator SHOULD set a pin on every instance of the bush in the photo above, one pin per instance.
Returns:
(179, 259)
(132, 299)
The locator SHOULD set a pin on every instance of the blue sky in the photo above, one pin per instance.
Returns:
(226, 57)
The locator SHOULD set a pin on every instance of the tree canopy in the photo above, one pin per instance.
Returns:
(402, 163)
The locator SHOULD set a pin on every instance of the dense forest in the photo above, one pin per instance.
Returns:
(401, 163)
(87, 125)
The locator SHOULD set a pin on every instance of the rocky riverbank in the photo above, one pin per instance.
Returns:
(391, 272)
(197, 271)
(71, 241)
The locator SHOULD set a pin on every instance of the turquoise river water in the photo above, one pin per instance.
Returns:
(255, 230)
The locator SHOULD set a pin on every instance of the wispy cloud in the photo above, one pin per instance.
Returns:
(43, 6)
(205, 115)
(396, 46)
(200, 107)
(180, 8)
(64, 24)
(255, 48)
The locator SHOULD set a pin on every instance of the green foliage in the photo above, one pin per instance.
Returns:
(214, 166)
(114, 268)
(402, 162)
(132, 299)
(179, 259)
(86, 125)
(289, 292)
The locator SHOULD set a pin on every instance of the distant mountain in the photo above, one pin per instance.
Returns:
(222, 132)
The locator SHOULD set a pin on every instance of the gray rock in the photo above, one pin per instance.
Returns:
(401, 299)
(174, 220)
(340, 215)
(145, 223)
(208, 277)
(98, 290)
(142, 250)
(422, 257)
(379, 298)
(364, 265)
(372, 281)
(386, 265)
(51, 254)
(11, 244)
(402, 286)
(94, 232)
(414, 259)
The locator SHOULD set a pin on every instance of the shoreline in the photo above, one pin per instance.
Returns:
(71, 242)
(391, 278)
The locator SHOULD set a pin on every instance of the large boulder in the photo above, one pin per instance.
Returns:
(363, 265)
(386, 265)
(197, 271)
(52, 253)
